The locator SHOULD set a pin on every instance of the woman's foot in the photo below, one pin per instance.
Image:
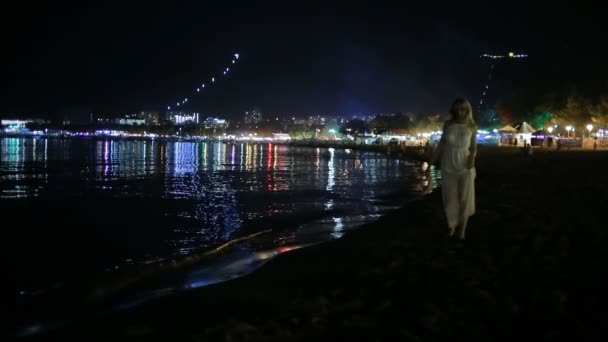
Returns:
(462, 227)
(451, 232)
(460, 234)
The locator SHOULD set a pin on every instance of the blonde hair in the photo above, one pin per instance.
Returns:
(462, 103)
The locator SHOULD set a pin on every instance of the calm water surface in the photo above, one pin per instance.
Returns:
(81, 207)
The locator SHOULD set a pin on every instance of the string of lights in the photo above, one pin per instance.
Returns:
(492, 65)
(203, 86)
(509, 55)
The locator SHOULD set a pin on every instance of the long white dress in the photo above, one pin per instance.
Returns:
(458, 182)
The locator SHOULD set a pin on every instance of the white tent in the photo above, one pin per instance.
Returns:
(508, 129)
(524, 128)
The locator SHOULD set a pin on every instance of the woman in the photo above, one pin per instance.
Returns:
(456, 152)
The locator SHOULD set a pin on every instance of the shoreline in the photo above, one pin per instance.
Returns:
(312, 143)
(529, 269)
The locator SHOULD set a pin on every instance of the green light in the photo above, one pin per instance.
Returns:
(511, 54)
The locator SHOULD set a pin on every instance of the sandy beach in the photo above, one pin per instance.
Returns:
(533, 267)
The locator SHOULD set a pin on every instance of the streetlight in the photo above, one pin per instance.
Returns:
(568, 128)
(550, 129)
(589, 128)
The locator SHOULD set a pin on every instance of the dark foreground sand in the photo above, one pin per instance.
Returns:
(533, 267)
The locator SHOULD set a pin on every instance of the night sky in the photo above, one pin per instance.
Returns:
(116, 58)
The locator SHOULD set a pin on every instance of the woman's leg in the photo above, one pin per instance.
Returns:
(451, 202)
(467, 200)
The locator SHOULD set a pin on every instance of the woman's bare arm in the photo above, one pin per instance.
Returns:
(472, 149)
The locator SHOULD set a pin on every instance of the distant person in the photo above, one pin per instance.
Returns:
(456, 153)
(427, 147)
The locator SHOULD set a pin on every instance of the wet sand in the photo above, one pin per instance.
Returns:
(533, 267)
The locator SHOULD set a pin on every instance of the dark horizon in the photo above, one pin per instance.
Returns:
(329, 61)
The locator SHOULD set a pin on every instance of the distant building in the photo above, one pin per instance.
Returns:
(281, 136)
(131, 121)
(316, 120)
(253, 116)
(151, 118)
(181, 118)
(15, 125)
(299, 121)
(215, 123)
(105, 120)
(141, 118)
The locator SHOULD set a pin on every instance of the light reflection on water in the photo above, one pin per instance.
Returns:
(154, 199)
